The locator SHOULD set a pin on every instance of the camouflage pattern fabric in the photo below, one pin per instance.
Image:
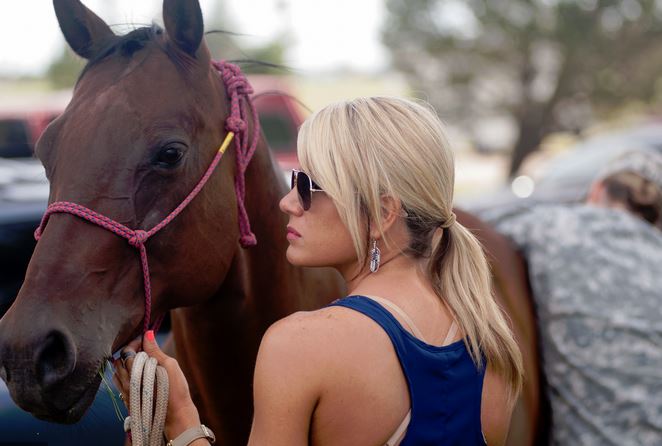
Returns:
(596, 276)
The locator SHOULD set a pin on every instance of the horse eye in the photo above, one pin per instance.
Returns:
(169, 157)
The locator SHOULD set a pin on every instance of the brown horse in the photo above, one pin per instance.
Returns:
(145, 121)
(146, 118)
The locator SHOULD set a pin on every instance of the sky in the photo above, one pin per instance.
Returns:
(326, 34)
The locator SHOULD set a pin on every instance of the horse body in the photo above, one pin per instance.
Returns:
(216, 341)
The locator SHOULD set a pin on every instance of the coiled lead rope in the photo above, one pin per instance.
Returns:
(147, 408)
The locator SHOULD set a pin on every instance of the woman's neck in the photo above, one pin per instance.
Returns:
(396, 273)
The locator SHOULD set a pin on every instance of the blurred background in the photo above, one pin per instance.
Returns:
(537, 94)
(517, 81)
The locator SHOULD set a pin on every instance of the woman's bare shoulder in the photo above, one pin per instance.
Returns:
(314, 345)
(326, 327)
(293, 370)
(325, 339)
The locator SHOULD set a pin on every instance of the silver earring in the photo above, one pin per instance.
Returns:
(375, 257)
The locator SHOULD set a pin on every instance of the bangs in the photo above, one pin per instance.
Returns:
(316, 147)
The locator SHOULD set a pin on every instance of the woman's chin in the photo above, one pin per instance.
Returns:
(297, 257)
(292, 256)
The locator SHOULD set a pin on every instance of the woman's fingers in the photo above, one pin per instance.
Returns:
(121, 379)
(152, 349)
(181, 410)
(127, 356)
(135, 344)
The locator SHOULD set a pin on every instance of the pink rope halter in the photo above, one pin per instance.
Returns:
(237, 88)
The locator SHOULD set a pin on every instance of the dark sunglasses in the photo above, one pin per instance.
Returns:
(305, 188)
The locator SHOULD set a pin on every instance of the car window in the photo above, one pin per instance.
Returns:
(14, 139)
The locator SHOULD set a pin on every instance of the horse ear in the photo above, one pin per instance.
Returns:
(84, 31)
(183, 23)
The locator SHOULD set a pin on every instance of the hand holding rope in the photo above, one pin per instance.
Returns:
(145, 378)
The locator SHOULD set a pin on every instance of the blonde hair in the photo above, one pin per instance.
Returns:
(361, 150)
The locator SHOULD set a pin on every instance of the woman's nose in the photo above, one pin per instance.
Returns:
(290, 205)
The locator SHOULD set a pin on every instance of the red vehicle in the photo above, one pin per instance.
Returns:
(280, 117)
(20, 130)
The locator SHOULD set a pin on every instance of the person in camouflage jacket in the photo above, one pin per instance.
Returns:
(596, 275)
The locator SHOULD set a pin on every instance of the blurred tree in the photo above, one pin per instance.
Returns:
(271, 54)
(63, 71)
(549, 64)
(224, 44)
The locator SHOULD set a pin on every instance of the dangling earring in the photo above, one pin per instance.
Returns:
(375, 257)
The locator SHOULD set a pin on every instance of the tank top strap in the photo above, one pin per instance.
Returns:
(378, 314)
(400, 312)
(452, 331)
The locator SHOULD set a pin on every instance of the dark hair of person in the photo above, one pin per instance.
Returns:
(640, 196)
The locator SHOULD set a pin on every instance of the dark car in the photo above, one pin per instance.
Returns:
(19, 131)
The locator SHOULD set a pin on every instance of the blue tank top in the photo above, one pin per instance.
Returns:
(445, 386)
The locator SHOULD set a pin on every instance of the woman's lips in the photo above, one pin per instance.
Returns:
(292, 234)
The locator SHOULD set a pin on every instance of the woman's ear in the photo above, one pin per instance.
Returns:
(391, 210)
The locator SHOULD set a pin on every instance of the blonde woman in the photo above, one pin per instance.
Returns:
(418, 353)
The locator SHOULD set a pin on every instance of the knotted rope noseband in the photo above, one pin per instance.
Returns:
(238, 90)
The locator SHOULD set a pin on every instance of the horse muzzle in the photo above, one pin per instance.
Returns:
(43, 373)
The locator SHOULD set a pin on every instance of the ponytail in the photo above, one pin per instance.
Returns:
(461, 277)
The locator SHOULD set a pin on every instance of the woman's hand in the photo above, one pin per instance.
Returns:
(182, 413)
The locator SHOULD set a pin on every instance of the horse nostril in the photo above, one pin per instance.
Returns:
(55, 360)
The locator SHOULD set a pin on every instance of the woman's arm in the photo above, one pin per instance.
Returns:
(496, 409)
(286, 385)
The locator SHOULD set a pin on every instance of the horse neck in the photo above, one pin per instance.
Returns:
(266, 263)
(261, 286)
(256, 291)
(217, 341)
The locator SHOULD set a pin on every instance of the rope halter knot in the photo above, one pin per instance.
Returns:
(235, 124)
(238, 90)
(138, 238)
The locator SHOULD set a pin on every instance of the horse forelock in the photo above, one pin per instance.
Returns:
(126, 46)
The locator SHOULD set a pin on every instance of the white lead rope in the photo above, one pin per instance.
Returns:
(146, 376)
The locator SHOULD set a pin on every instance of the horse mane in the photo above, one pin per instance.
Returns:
(128, 44)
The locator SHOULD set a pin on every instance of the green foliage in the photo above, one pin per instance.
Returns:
(549, 64)
(271, 53)
(63, 72)
(226, 46)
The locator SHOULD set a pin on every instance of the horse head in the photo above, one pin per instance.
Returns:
(145, 121)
